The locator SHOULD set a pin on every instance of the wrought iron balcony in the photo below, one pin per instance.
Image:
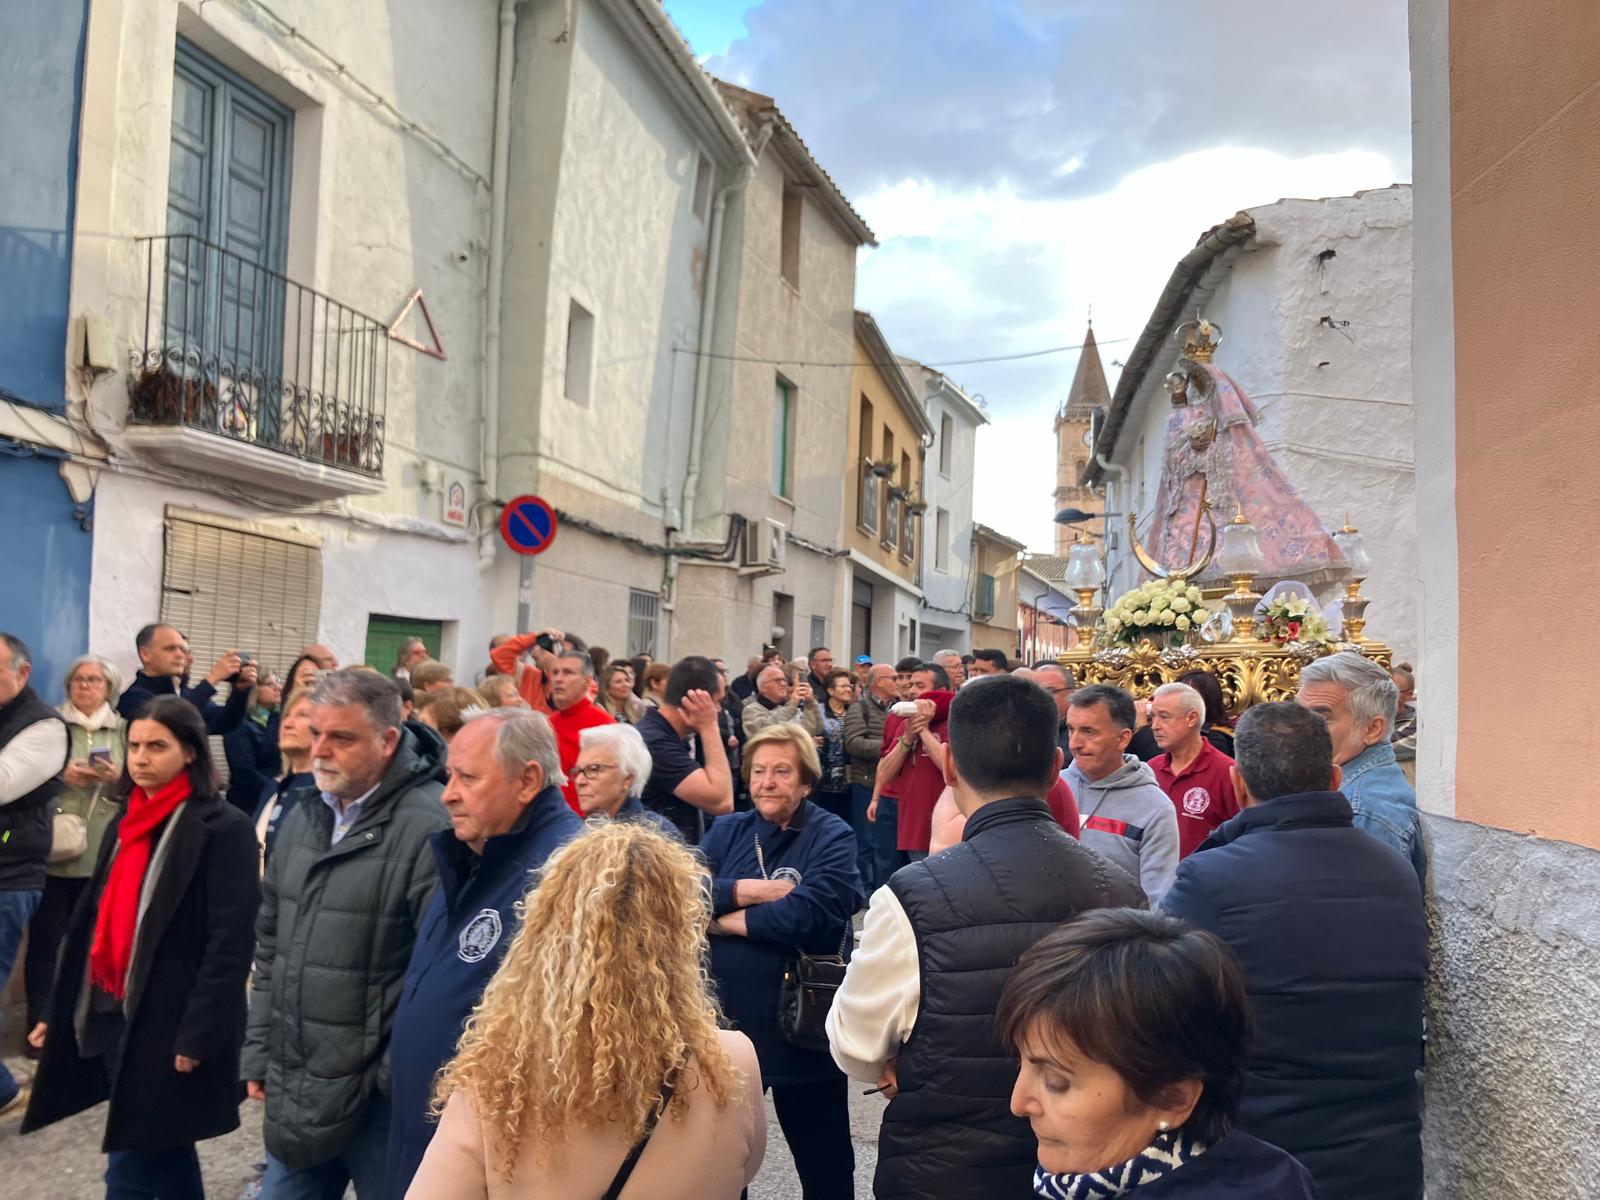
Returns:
(246, 374)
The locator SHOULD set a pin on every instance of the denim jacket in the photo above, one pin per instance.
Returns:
(1384, 803)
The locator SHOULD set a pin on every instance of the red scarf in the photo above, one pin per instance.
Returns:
(111, 954)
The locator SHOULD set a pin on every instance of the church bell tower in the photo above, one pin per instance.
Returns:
(1089, 392)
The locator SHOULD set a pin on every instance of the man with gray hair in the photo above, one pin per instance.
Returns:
(1192, 772)
(1357, 699)
(507, 816)
(34, 747)
(950, 660)
(343, 898)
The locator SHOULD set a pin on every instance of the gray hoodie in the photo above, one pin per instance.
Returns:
(1130, 820)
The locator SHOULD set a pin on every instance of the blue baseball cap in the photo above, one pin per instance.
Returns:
(863, 658)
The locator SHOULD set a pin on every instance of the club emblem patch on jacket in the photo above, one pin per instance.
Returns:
(479, 936)
(1196, 800)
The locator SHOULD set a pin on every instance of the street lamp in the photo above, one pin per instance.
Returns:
(1072, 516)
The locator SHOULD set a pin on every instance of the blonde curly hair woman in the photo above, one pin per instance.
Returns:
(602, 1002)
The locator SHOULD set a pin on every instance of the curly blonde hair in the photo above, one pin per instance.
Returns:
(603, 993)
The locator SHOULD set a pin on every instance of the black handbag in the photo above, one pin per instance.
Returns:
(806, 994)
(625, 1171)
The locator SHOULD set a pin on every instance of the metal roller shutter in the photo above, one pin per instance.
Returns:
(227, 586)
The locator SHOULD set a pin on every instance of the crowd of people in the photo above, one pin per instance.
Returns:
(558, 933)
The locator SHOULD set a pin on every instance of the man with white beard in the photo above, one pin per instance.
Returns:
(345, 891)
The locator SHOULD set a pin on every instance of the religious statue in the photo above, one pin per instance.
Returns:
(1216, 460)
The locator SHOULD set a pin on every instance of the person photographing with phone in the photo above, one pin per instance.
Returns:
(83, 809)
(164, 662)
(532, 672)
(778, 702)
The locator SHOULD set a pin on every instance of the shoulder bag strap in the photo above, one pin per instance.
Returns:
(625, 1171)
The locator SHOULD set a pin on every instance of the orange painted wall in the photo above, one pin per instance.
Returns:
(1525, 212)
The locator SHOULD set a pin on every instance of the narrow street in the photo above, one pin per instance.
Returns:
(64, 1161)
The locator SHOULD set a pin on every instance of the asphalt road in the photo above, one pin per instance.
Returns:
(64, 1161)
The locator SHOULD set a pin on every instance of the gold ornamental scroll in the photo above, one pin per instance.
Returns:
(1251, 672)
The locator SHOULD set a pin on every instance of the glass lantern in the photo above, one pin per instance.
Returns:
(1241, 560)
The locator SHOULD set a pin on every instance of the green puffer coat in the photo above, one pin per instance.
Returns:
(332, 943)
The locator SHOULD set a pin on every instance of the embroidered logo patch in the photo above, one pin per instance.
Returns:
(479, 937)
(1196, 800)
(788, 875)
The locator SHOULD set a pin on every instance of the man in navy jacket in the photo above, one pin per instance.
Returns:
(1328, 923)
(163, 665)
(507, 816)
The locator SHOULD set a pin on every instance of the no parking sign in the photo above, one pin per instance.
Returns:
(528, 525)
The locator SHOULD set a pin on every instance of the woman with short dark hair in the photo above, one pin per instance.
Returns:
(1134, 1032)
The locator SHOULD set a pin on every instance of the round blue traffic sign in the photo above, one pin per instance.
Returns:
(528, 525)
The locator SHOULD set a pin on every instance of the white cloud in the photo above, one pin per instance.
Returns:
(963, 273)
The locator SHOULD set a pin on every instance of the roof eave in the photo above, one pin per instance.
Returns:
(669, 58)
(1191, 269)
(883, 358)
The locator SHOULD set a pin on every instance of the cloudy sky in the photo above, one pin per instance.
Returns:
(1024, 160)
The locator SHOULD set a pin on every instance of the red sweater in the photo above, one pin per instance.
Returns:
(568, 724)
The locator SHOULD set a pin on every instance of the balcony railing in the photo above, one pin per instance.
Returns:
(234, 349)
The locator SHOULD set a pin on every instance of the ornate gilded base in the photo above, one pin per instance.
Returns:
(1250, 672)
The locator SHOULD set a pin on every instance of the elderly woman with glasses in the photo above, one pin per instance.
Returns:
(88, 797)
(784, 883)
(612, 768)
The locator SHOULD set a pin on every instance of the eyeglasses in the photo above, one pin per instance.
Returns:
(1056, 691)
(86, 680)
(591, 771)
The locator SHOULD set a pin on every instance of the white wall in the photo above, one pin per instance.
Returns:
(948, 590)
(375, 210)
(364, 572)
(1335, 403)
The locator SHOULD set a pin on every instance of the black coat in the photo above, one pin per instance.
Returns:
(254, 761)
(1328, 923)
(1239, 1167)
(186, 993)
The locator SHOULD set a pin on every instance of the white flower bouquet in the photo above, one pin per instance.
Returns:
(1164, 611)
(1294, 619)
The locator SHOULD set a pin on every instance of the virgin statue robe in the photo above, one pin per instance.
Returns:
(1212, 441)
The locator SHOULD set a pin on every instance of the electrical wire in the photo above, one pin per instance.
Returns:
(951, 362)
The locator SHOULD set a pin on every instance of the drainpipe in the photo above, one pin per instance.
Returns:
(489, 438)
(708, 319)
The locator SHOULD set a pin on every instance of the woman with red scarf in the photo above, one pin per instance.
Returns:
(148, 1009)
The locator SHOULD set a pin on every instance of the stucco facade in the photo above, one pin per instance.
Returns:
(387, 190)
(1505, 99)
(883, 500)
(996, 560)
(787, 220)
(955, 419)
(1315, 310)
(619, 146)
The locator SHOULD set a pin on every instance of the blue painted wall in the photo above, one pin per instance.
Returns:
(45, 551)
(44, 566)
(41, 91)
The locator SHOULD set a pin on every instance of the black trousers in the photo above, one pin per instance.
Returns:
(46, 932)
(815, 1118)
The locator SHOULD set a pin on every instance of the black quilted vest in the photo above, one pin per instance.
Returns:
(975, 908)
(25, 823)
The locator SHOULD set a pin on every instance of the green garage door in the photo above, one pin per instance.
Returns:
(385, 636)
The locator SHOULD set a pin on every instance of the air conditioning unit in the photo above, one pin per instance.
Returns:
(763, 547)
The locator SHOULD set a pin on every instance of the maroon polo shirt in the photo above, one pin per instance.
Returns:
(1202, 794)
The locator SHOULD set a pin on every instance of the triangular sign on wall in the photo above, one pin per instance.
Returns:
(416, 300)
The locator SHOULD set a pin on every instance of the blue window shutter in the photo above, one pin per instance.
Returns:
(228, 184)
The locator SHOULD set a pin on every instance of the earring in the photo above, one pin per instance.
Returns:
(1163, 1125)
